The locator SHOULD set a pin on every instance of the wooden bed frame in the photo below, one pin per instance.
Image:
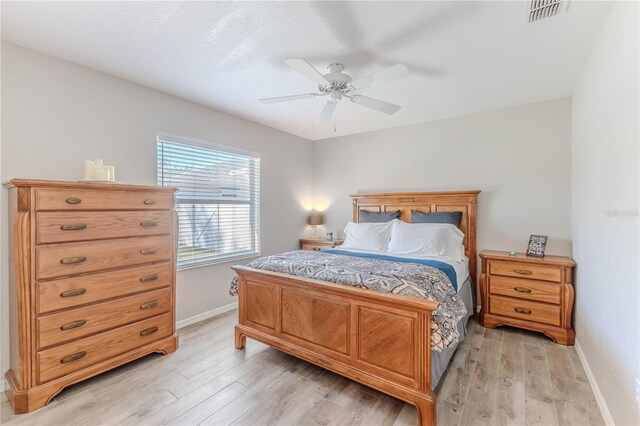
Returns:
(379, 339)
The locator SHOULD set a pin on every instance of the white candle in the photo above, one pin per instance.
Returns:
(111, 172)
(88, 170)
(101, 172)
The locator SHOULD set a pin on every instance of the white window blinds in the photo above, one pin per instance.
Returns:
(218, 201)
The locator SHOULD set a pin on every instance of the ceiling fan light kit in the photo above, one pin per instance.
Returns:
(337, 85)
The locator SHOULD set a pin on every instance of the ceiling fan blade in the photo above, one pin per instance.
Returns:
(376, 104)
(288, 98)
(392, 73)
(305, 68)
(327, 112)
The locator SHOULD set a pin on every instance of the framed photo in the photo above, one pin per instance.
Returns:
(537, 245)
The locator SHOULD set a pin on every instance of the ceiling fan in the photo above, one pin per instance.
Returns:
(338, 85)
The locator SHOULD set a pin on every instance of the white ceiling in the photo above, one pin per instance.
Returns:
(465, 57)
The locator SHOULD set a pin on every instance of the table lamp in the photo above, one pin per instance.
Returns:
(315, 218)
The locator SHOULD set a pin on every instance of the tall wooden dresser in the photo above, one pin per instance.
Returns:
(92, 282)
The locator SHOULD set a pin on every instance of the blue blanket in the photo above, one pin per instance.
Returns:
(448, 270)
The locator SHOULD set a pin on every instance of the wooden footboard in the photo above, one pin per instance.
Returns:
(378, 339)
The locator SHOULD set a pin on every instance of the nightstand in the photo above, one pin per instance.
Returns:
(318, 244)
(528, 292)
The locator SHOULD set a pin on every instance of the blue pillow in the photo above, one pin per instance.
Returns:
(367, 216)
(437, 217)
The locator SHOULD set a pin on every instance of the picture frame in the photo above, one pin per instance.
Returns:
(537, 245)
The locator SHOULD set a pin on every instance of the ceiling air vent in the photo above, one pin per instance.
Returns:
(542, 9)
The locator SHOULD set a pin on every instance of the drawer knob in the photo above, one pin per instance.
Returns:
(148, 278)
(73, 200)
(71, 293)
(149, 201)
(73, 357)
(522, 271)
(522, 311)
(317, 249)
(73, 325)
(75, 227)
(148, 331)
(149, 305)
(72, 260)
(148, 223)
(522, 289)
(149, 251)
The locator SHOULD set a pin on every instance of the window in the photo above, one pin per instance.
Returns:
(218, 201)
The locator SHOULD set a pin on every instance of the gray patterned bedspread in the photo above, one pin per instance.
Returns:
(407, 279)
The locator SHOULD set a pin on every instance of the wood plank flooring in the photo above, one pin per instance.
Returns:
(497, 377)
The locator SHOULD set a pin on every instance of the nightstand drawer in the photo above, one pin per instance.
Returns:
(522, 309)
(525, 270)
(316, 247)
(525, 289)
(318, 244)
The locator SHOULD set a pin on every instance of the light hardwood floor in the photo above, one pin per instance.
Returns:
(500, 377)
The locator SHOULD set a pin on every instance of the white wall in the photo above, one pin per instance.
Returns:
(605, 178)
(56, 114)
(518, 157)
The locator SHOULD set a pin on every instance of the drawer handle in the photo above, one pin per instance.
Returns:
(148, 223)
(148, 278)
(149, 201)
(73, 357)
(522, 311)
(149, 305)
(317, 249)
(71, 293)
(149, 251)
(73, 325)
(72, 260)
(148, 331)
(73, 200)
(522, 289)
(522, 271)
(75, 227)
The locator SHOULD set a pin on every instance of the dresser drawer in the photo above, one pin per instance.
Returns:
(77, 258)
(526, 310)
(71, 292)
(525, 289)
(86, 199)
(62, 327)
(61, 227)
(525, 270)
(64, 359)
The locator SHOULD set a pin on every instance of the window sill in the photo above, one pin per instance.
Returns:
(218, 261)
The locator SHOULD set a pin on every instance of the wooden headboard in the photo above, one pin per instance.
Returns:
(450, 201)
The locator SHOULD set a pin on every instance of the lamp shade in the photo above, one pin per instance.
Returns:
(315, 218)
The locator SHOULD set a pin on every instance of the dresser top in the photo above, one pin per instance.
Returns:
(41, 183)
(523, 258)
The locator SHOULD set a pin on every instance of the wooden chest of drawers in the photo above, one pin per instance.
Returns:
(536, 294)
(92, 282)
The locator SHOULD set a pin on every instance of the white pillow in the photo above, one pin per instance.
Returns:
(368, 235)
(426, 239)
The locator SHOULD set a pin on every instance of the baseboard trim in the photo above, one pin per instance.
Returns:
(206, 315)
(602, 405)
